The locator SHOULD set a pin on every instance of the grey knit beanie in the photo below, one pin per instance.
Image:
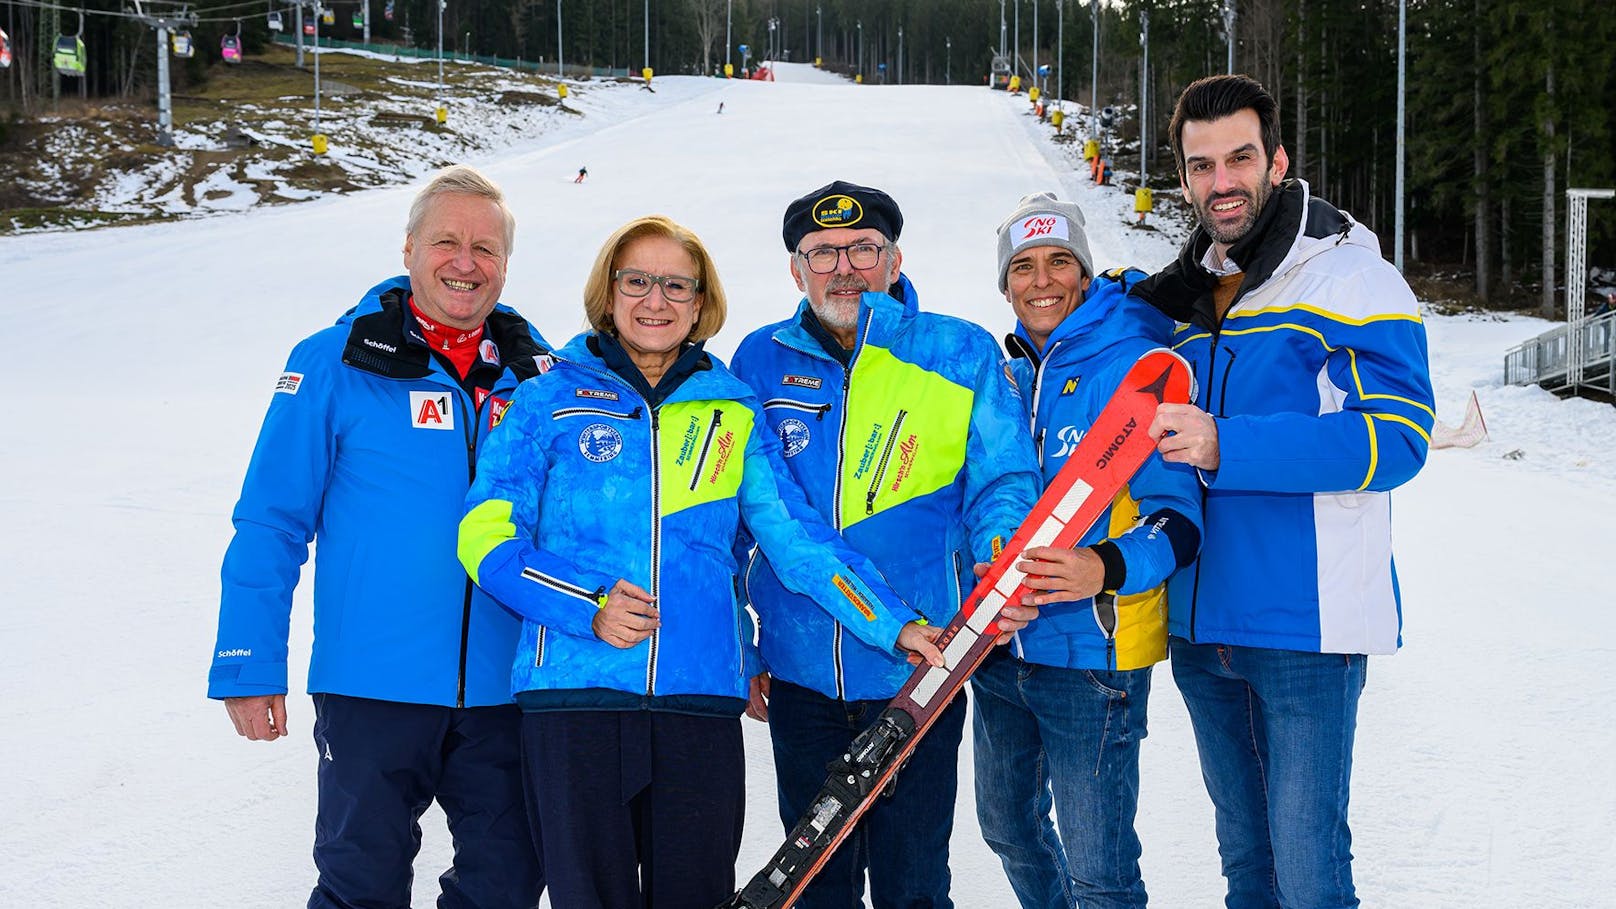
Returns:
(1043, 220)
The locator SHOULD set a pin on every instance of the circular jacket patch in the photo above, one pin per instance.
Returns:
(794, 436)
(599, 442)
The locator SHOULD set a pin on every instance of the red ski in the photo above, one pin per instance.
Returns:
(1112, 450)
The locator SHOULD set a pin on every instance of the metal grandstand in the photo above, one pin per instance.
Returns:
(1579, 356)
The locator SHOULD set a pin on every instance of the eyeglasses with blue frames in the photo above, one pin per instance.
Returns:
(631, 282)
(822, 259)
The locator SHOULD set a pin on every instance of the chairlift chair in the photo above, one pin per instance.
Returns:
(5, 50)
(70, 58)
(328, 16)
(181, 42)
(230, 48)
(308, 26)
(275, 23)
(358, 19)
(387, 11)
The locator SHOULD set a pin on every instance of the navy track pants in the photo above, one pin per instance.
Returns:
(381, 764)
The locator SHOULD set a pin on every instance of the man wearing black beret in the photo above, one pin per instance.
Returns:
(905, 431)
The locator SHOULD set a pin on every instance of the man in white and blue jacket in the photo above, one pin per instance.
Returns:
(368, 448)
(903, 429)
(1315, 402)
(1060, 713)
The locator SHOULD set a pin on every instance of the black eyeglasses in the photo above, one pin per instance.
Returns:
(822, 259)
(631, 282)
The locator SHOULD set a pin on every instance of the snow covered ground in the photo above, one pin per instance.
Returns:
(1486, 760)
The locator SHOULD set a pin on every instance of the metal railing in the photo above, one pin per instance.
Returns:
(1545, 360)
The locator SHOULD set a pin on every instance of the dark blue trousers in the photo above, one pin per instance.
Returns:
(639, 808)
(381, 764)
(903, 839)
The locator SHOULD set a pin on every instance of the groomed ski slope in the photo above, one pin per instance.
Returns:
(141, 361)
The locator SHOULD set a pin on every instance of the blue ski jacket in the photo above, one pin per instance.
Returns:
(1318, 379)
(1151, 528)
(368, 447)
(917, 452)
(586, 482)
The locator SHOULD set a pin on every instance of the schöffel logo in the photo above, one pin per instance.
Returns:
(380, 346)
(236, 652)
(837, 211)
(801, 381)
(1116, 443)
(1043, 227)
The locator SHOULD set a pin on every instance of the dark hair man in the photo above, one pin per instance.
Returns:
(1315, 402)
(368, 448)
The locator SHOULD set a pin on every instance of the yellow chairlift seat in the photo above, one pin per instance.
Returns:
(328, 16)
(70, 57)
(183, 47)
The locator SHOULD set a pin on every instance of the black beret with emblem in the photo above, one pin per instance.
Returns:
(841, 204)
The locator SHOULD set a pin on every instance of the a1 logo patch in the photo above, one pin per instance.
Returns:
(431, 410)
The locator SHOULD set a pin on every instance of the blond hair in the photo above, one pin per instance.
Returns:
(598, 288)
(467, 181)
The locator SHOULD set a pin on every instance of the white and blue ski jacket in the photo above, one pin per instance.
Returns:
(587, 482)
(1151, 528)
(1319, 382)
(368, 448)
(917, 452)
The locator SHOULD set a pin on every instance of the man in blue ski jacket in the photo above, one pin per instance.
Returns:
(906, 434)
(368, 449)
(1060, 713)
(1315, 402)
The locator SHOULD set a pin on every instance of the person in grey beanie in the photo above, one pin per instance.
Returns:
(1060, 712)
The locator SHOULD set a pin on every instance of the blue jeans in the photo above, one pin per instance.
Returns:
(1069, 739)
(1274, 729)
(903, 839)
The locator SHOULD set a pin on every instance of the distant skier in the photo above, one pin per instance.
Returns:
(582, 173)
(720, 107)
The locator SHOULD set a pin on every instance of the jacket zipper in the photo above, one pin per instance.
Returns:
(1108, 632)
(706, 446)
(881, 466)
(819, 410)
(471, 477)
(656, 551)
(1223, 395)
(538, 659)
(841, 458)
(595, 412)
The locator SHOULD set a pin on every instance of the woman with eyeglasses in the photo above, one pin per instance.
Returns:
(608, 511)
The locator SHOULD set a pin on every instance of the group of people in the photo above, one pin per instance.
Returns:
(539, 568)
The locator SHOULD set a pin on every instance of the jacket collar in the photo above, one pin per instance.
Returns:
(886, 314)
(1107, 315)
(385, 339)
(1183, 290)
